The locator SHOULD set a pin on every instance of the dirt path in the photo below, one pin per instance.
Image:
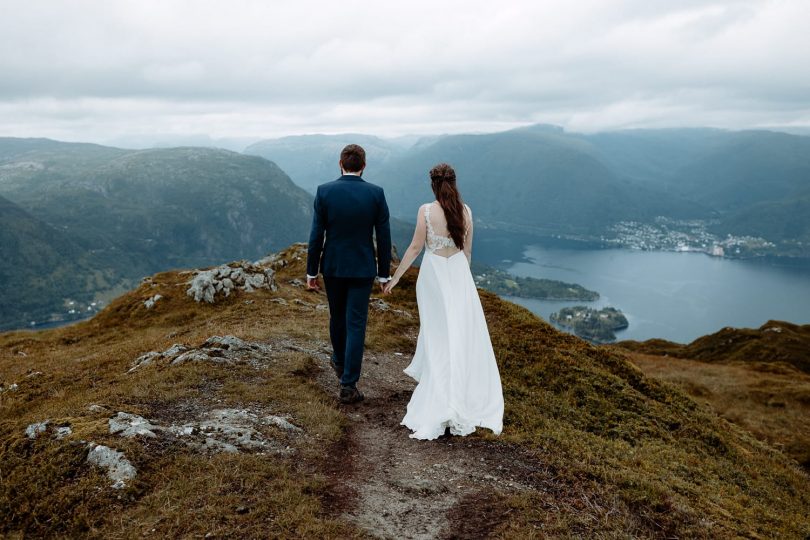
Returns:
(393, 486)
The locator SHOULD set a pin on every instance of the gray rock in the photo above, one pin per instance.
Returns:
(118, 467)
(202, 288)
(62, 431)
(152, 356)
(233, 343)
(144, 360)
(219, 349)
(206, 284)
(283, 423)
(33, 430)
(378, 304)
(174, 350)
(131, 425)
(213, 445)
(150, 302)
(195, 355)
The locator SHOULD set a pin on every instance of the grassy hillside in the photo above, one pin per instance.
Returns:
(591, 446)
(770, 401)
(757, 378)
(775, 342)
(138, 212)
(39, 262)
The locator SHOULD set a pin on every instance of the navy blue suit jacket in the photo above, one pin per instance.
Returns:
(347, 212)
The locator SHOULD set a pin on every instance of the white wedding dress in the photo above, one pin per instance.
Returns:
(454, 364)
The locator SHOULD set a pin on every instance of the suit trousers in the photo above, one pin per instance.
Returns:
(348, 315)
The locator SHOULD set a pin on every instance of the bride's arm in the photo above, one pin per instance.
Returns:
(413, 251)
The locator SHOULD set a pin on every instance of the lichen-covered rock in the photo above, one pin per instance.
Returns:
(218, 349)
(196, 355)
(219, 430)
(224, 279)
(96, 408)
(62, 431)
(131, 425)
(144, 360)
(118, 467)
(33, 430)
(237, 428)
(153, 356)
(13, 387)
(378, 304)
(150, 302)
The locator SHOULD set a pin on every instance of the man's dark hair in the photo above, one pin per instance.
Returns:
(353, 158)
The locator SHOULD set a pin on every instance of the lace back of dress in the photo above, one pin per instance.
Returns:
(437, 244)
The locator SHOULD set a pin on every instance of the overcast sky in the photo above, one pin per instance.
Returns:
(100, 70)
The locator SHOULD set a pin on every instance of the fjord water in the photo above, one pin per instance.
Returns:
(669, 295)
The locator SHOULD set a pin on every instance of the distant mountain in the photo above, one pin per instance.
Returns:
(311, 160)
(757, 182)
(651, 156)
(540, 181)
(170, 140)
(139, 212)
(746, 168)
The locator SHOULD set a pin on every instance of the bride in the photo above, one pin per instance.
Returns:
(459, 386)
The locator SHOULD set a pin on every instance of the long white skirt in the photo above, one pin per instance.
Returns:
(454, 364)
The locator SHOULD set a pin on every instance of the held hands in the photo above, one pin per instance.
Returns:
(312, 284)
(388, 286)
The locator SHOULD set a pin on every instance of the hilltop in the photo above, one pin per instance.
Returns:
(220, 418)
(775, 342)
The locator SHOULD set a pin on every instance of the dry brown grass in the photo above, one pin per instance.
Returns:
(47, 489)
(773, 404)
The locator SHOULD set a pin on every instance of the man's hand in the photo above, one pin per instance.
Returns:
(312, 284)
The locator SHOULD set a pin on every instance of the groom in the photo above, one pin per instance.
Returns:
(347, 211)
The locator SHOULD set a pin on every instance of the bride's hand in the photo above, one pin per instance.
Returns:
(390, 285)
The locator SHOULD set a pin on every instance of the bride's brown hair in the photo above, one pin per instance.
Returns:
(443, 182)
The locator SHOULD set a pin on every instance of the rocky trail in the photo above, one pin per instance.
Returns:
(394, 486)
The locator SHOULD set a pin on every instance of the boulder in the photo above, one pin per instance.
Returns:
(207, 284)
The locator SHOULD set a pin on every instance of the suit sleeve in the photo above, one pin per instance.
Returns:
(382, 230)
(316, 236)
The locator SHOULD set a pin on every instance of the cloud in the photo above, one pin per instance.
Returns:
(95, 70)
